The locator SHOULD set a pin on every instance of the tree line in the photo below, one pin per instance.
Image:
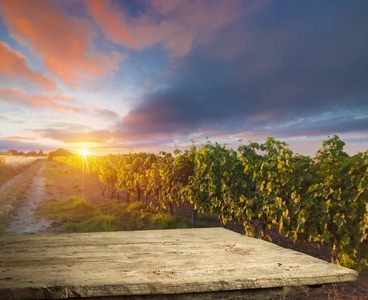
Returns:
(13, 152)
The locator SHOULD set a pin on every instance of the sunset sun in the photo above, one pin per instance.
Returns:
(83, 152)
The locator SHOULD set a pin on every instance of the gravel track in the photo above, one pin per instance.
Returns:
(24, 221)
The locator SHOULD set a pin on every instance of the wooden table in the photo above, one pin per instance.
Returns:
(205, 262)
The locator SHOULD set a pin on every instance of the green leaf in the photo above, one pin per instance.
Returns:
(325, 237)
(338, 220)
(280, 164)
(345, 238)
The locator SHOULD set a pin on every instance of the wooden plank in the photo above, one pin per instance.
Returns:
(156, 262)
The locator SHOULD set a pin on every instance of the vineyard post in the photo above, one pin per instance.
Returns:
(194, 217)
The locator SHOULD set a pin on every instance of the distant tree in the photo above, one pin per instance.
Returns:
(40, 153)
(11, 152)
(31, 153)
(21, 153)
(59, 152)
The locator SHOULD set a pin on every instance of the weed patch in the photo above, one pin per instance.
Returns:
(78, 215)
(52, 172)
(76, 187)
(163, 220)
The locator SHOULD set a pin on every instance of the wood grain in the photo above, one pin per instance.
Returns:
(156, 262)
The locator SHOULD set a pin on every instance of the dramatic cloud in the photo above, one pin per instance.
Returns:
(106, 114)
(20, 98)
(165, 72)
(74, 133)
(277, 85)
(6, 144)
(15, 64)
(176, 24)
(63, 41)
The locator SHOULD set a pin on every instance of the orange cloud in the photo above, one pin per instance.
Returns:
(62, 41)
(15, 64)
(62, 98)
(74, 133)
(12, 96)
(48, 103)
(182, 23)
(17, 97)
(19, 138)
(113, 23)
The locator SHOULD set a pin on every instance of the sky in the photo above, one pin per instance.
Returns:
(149, 75)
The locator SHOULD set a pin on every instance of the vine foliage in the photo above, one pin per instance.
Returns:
(322, 199)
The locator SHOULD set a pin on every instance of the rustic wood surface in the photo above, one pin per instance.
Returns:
(152, 262)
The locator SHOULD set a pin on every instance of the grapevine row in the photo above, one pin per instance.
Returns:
(324, 199)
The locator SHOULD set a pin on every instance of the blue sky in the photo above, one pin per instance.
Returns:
(114, 76)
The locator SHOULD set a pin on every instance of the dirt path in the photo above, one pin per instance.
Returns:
(24, 221)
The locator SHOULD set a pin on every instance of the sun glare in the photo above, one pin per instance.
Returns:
(84, 152)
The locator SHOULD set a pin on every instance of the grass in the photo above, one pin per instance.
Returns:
(14, 195)
(163, 220)
(207, 219)
(78, 215)
(10, 166)
(52, 171)
(76, 187)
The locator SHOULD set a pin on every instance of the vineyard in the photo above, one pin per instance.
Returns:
(322, 199)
